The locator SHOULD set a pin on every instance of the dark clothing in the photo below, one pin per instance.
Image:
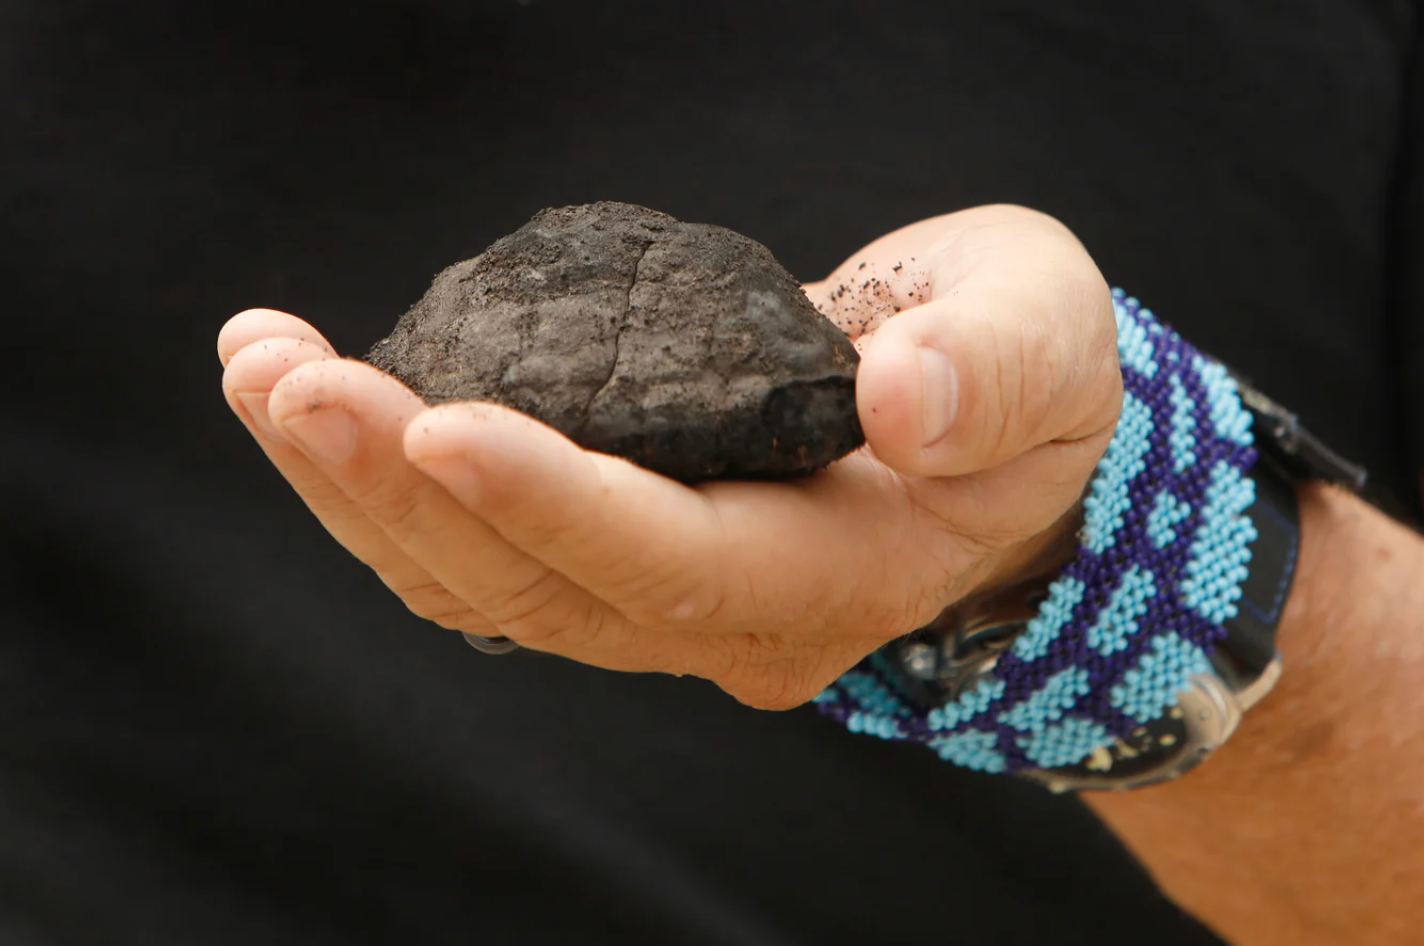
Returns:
(216, 727)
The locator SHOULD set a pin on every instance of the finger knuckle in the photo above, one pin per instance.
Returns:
(584, 626)
(542, 529)
(526, 600)
(580, 628)
(430, 600)
(397, 510)
(466, 620)
(542, 613)
(433, 602)
(401, 513)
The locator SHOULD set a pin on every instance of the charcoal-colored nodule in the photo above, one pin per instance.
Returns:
(684, 347)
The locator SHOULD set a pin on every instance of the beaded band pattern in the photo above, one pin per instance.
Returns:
(1158, 569)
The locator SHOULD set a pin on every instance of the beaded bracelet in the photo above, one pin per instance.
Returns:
(1158, 569)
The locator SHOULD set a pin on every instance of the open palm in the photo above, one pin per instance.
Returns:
(989, 387)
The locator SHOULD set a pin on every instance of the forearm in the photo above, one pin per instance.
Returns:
(1308, 827)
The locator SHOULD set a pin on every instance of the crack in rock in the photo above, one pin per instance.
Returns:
(618, 333)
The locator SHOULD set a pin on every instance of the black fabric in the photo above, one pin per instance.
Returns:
(217, 728)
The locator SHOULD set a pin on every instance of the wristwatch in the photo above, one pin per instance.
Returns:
(959, 649)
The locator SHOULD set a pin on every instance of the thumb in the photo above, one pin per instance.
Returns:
(1015, 347)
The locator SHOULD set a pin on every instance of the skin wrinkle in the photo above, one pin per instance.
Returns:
(994, 425)
(415, 597)
(403, 512)
(1023, 371)
(777, 671)
(591, 629)
(689, 610)
(657, 587)
(513, 610)
(466, 621)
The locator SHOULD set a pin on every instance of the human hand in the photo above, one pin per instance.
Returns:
(989, 387)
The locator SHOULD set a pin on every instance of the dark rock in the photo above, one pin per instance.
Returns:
(685, 348)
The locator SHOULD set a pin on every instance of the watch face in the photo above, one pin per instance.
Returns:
(1144, 750)
(1204, 718)
(959, 650)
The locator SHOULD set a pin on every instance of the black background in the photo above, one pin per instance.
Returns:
(216, 727)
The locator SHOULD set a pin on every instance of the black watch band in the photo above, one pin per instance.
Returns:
(1251, 634)
(1289, 456)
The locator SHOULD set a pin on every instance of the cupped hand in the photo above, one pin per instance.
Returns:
(989, 387)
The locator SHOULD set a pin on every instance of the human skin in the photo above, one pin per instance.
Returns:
(1304, 829)
(485, 521)
(1307, 827)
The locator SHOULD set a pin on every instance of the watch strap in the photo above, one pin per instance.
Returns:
(1138, 611)
(1251, 634)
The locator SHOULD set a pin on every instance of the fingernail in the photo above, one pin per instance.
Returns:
(939, 394)
(327, 433)
(255, 403)
(455, 473)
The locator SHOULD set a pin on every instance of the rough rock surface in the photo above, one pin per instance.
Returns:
(685, 348)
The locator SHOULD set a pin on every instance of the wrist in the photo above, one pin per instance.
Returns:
(1343, 633)
(1075, 680)
(1321, 780)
